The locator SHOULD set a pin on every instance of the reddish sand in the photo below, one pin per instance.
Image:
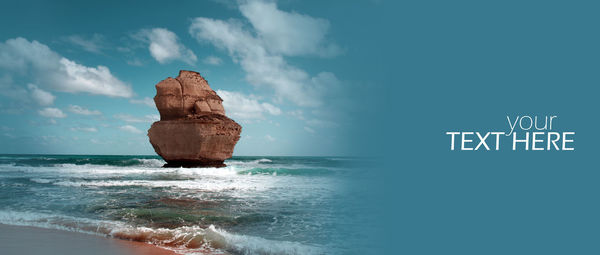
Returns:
(31, 240)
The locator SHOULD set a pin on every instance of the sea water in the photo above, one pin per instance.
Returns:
(255, 205)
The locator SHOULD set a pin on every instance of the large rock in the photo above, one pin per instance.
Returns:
(193, 129)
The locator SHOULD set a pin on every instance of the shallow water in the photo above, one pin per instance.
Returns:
(255, 205)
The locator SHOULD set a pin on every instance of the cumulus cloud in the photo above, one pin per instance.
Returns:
(41, 97)
(83, 111)
(245, 107)
(165, 47)
(132, 119)
(52, 113)
(212, 60)
(261, 51)
(144, 101)
(130, 129)
(33, 59)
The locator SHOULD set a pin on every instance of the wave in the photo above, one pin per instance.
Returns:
(287, 171)
(41, 180)
(152, 168)
(54, 160)
(186, 240)
(150, 162)
(212, 186)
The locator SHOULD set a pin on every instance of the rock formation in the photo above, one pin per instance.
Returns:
(193, 129)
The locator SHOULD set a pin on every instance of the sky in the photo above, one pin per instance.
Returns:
(78, 77)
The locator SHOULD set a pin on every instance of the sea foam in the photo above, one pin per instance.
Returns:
(184, 240)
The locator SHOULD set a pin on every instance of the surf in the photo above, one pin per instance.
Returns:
(184, 240)
(255, 205)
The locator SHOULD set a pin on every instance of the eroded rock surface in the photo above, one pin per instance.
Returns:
(193, 129)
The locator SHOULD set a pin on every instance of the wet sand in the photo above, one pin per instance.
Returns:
(31, 240)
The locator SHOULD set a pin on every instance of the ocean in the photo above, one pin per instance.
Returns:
(255, 205)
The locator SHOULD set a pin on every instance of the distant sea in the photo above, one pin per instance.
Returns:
(255, 205)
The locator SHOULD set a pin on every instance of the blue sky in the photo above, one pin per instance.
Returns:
(79, 77)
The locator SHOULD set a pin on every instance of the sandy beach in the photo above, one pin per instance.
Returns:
(31, 240)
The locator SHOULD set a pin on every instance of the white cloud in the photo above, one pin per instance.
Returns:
(130, 129)
(240, 106)
(11, 90)
(19, 56)
(132, 119)
(42, 97)
(261, 51)
(165, 47)
(52, 113)
(84, 129)
(94, 44)
(288, 33)
(93, 80)
(145, 101)
(270, 138)
(212, 60)
(83, 111)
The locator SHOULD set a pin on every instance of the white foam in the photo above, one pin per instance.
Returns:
(253, 163)
(151, 162)
(187, 240)
(214, 185)
(256, 245)
(88, 170)
(41, 180)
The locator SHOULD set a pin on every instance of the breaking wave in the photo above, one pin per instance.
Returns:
(185, 240)
(118, 166)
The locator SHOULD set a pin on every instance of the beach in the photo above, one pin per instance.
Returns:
(31, 240)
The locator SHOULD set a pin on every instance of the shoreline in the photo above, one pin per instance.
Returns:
(36, 240)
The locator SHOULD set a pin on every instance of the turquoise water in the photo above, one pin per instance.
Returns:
(255, 205)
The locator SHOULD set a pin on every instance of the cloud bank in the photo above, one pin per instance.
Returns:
(19, 56)
(261, 49)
